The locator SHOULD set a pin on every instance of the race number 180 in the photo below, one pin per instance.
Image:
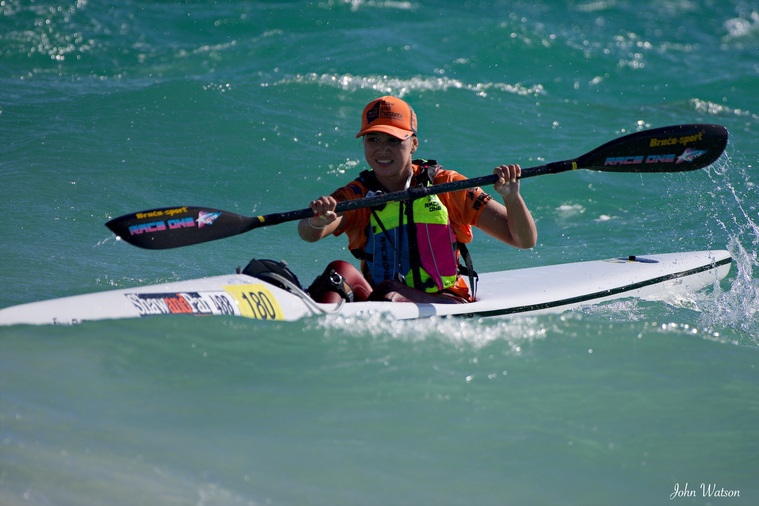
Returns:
(255, 301)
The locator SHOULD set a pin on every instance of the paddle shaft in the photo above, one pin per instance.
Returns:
(412, 193)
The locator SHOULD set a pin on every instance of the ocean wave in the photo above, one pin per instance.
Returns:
(401, 87)
(355, 5)
(741, 27)
(478, 333)
(714, 109)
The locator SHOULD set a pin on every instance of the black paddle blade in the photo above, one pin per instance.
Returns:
(675, 148)
(171, 227)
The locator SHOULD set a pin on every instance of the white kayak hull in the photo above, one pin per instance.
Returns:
(547, 289)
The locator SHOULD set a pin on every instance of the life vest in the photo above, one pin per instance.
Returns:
(412, 242)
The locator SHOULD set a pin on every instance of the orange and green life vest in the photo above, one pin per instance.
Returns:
(411, 241)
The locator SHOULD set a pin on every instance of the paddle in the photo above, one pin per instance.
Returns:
(675, 148)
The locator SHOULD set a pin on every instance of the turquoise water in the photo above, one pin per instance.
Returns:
(113, 107)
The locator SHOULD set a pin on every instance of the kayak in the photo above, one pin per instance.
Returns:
(528, 291)
(534, 290)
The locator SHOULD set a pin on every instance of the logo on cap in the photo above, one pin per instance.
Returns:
(383, 109)
(373, 113)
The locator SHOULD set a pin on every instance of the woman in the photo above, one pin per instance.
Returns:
(410, 251)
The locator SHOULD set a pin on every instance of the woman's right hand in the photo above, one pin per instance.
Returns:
(322, 223)
(324, 211)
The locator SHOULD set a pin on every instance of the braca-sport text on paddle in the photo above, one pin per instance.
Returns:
(675, 148)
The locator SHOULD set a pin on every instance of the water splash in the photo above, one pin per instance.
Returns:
(737, 214)
(743, 27)
(738, 306)
(676, 328)
(464, 333)
(112, 238)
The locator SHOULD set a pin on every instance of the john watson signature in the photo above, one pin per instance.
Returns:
(705, 490)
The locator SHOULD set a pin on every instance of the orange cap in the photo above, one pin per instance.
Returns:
(390, 115)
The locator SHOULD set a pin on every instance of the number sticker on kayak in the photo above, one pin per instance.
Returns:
(256, 301)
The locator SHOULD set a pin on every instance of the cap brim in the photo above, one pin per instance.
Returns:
(398, 133)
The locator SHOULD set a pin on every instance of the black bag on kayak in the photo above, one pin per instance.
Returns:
(272, 272)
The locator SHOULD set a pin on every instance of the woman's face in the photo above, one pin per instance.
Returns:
(389, 156)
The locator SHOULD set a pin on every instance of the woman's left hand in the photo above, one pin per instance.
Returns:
(508, 180)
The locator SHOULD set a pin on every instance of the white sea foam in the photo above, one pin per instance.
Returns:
(475, 333)
(404, 86)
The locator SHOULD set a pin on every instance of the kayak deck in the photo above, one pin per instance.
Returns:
(534, 290)
(561, 287)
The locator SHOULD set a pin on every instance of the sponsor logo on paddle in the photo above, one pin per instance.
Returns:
(160, 226)
(153, 226)
(161, 212)
(689, 155)
(660, 158)
(205, 218)
(640, 160)
(674, 141)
